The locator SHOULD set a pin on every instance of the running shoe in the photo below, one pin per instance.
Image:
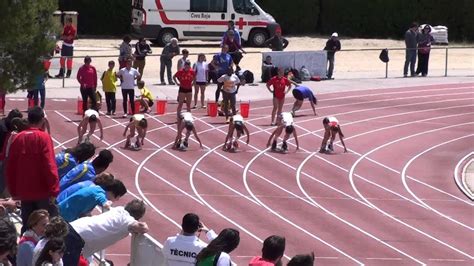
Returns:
(185, 143)
(274, 145)
(236, 144)
(330, 147)
(284, 146)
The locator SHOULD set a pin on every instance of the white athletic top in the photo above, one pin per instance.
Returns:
(187, 117)
(91, 112)
(201, 68)
(128, 78)
(103, 230)
(287, 119)
(137, 118)
(238, 118)
(332, 121)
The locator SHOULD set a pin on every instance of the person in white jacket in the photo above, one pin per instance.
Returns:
(182, 249)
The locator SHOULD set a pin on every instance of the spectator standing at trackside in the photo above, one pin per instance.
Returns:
(201, 68)
(169, 51)
(109, 79)
(411, 42)
(32, 176)
(128, 75)
(221, 63)
(182, 249)
(235, 49)
(67, 49)
(332, 46)
(125, 51)
(217, 252)
(69, 158)
(6, 129)
(185, 80)
(231, 27)
(230, 88)
(142, 49)
(93, 234)
(87, 170)
(268, 69)
(183, 59)
(39, 93)
(424, 47)
(277, 42)
(87, 77)
(272, 252)
(56, 228)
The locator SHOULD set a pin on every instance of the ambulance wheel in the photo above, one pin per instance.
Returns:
(258, 37)
(165, 36)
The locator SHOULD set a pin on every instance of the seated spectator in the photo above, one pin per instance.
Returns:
(145, 98)
(235, 49)
(100, 179)
(272, 251)
(69, 158)
(52, 253)
(92, 234)
(268, 69)
(183, 248)
(217, 252)
(87, 170)
(83, 201)
(8, 239)
(56, 228)
(35, 229)
(302, 260)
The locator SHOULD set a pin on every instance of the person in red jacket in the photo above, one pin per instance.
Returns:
(36, 185)
(87, 77)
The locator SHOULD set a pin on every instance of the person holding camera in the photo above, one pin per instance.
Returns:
(183, 248)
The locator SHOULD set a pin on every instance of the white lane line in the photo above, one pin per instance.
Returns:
(298, 181)
(351, 179)
(403, 176)
(249, 190)
(460, 182)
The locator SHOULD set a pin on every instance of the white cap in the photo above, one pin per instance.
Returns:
(335, 34)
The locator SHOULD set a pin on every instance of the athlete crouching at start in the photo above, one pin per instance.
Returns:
(331, 128)
(185, 121)
(285, 121)
(237, 124)
(137, 123)
(91, 119)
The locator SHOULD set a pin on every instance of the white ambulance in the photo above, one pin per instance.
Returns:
(161, 20)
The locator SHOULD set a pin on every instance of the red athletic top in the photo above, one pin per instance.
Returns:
(87, 77)
(69, 33)
(279, 85)
(186, 78)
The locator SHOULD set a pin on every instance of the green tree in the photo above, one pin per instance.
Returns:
(25, 38)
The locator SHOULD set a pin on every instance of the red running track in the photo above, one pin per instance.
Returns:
(391, 200)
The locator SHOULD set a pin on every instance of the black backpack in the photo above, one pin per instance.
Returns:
(384, 56)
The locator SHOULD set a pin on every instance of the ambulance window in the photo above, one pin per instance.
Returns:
(244, 7)
(219, 6)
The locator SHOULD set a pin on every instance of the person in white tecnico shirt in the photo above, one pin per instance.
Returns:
(285, 121)
(91, 118)
(182, 249)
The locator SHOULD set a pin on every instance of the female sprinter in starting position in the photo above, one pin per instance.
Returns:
(300, 93)
(91, 118)
(185, 120)
(331, 127)
(237, 123)
(285, 121)
(137, 122)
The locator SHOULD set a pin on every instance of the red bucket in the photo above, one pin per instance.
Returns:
(136, 107)
(212, 109)
(79, 109)
(245, 109)
(161, 107)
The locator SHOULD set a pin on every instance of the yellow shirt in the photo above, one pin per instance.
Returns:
(146, 93)
(108, 81)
